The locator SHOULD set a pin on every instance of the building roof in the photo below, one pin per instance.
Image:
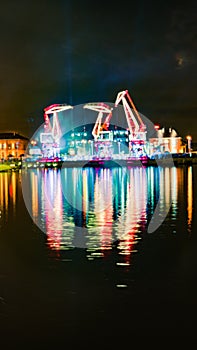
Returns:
(11, 136)
(164, 132)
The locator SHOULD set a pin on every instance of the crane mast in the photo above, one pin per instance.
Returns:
(54, 110)
(101, 108)
(137, 128)
(50, 138)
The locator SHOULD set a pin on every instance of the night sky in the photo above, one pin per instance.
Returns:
(64, 51)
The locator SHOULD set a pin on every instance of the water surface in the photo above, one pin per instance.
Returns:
(79, 259)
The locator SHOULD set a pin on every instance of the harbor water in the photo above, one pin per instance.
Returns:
(78, 259)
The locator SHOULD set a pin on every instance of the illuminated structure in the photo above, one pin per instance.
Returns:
(98, 127)
(167, 141)
(50, 139)
(189, 143)
(136, 127)
(102, 138)
(12, 145)
(77, 143)
(134, 136)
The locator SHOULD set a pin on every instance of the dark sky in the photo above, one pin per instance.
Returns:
(55, 51)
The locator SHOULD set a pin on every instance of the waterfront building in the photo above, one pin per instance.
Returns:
(12, 145)
(166, 141)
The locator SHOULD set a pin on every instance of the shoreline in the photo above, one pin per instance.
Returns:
(102, 163)
(167, 161)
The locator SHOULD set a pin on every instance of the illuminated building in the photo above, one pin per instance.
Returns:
(76, 143)
(12, 145)
(166, 141)
(64, 137)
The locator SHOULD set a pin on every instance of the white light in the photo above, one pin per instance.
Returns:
(58, 108)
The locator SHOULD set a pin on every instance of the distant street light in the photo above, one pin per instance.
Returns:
(33, 142)
(189, 141)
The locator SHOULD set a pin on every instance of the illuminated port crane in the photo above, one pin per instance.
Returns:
(55, 129)
(102, 139)
(137, 128)
(50, 138)
(101, 108)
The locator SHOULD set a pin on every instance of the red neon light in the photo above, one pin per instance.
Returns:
(51, 106)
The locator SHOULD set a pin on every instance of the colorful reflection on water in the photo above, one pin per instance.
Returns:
(189, 198)
(8, 194)
(99, 209)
